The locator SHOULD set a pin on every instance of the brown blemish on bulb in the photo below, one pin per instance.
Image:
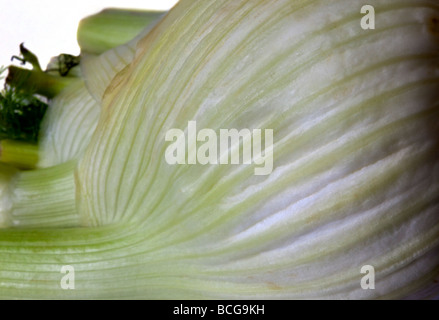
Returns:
(433, 25)
(273, 286)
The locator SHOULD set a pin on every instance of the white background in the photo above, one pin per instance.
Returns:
(48, 27)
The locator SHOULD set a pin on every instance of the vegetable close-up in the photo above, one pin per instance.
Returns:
(227, 149)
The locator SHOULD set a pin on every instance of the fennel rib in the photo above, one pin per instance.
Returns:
(42, 198)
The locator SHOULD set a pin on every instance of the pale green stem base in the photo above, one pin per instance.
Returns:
(113, 27)
(41, 198)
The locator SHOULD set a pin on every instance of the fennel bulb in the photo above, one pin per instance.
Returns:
(355, 179)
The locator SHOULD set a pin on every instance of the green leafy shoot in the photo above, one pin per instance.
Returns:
(21, 114)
